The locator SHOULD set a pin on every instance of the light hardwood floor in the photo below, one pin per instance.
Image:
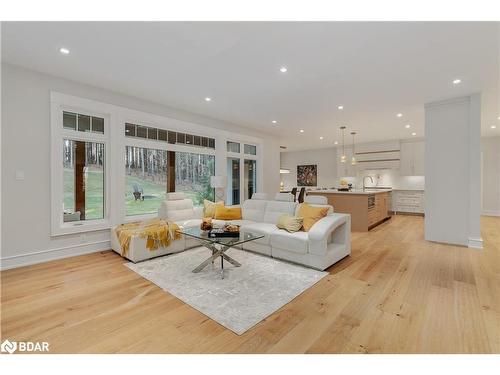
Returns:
(396, 293)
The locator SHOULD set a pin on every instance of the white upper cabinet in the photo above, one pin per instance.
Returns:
(412, 158)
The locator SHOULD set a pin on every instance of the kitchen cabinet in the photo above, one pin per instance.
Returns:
(367, 210)
(412, 158)
(408, 201)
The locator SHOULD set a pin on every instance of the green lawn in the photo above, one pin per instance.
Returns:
(94, 208)
(154, 194)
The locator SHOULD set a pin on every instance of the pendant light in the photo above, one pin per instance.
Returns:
(343, 158)
(353, 160)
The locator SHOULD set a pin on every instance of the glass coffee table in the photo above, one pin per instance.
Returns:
(218, 245)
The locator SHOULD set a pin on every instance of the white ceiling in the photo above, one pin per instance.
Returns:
(375, 70)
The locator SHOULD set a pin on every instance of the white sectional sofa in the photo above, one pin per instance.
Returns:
(328, 241)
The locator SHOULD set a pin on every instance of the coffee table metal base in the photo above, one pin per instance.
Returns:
(217, 252)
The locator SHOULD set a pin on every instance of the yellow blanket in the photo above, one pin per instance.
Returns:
(157, 231)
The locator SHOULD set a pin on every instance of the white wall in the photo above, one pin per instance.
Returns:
(490, 152)
(325, 159)
(25, 146)
(452, 171)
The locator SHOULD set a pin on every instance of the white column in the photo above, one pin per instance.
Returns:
(452, 171)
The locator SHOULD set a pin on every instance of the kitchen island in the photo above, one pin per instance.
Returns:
(368, 208)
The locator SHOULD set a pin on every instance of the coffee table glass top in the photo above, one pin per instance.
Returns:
(196, 232)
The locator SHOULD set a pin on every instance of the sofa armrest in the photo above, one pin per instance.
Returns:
(322, 229)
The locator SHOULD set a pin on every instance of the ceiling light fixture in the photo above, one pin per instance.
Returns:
(407, 126)
(64, 51)
(321, 137)
(343, 157)
(283, 69)
(340, 107)
(301, 130)
(274, 122)
(207, 99)
(353, 159)
(413, 133)
(336, 143)
(456, 81)
(493, 126)
(399, 115)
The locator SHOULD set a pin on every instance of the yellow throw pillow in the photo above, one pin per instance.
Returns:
(289, 223)
(209, 210)
(311, 215)
(227, 213)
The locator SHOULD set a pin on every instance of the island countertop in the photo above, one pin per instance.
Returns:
(352, 192)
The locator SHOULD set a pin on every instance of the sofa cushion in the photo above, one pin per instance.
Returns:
(253, 209)
(210, 207)
(176, 196)
(176, 210)
(311, 215)
(274, 209)
(227, 213)
(297, 242)
(289, 223)
(240, 222)
(264, 229)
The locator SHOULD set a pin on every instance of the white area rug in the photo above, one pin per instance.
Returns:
(245, 296)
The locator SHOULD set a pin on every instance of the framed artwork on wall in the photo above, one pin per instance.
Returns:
(307, 175)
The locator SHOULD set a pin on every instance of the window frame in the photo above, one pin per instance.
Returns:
(242, 157)
(58, 135)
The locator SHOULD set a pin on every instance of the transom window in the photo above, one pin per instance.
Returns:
(83, 123)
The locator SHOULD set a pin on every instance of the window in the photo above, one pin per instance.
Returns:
(241, 172)
(139, 131)
(83, 123)
(83, 180)
(250, 178)
(192, 176)
(145, 180)
(250, 149)
(79, 165)
(233, 147)
(233, 181)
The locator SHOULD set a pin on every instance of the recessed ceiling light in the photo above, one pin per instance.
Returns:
(283, 69)
(336, 143)
(207, 99)
(321, 137)
(301, 130)
(340, 107)
(274, 122)
(457, 81)
(399, 115)
(499, 117)
(493, 126)
(413, 133)
(407, 126)
(64, 51)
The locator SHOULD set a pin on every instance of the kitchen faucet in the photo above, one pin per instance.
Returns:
(364, 178)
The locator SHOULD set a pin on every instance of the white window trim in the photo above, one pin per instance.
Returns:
(58, 134)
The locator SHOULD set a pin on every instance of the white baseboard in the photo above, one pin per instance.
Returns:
(475, 243)
(490, 213)
(53, 254)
